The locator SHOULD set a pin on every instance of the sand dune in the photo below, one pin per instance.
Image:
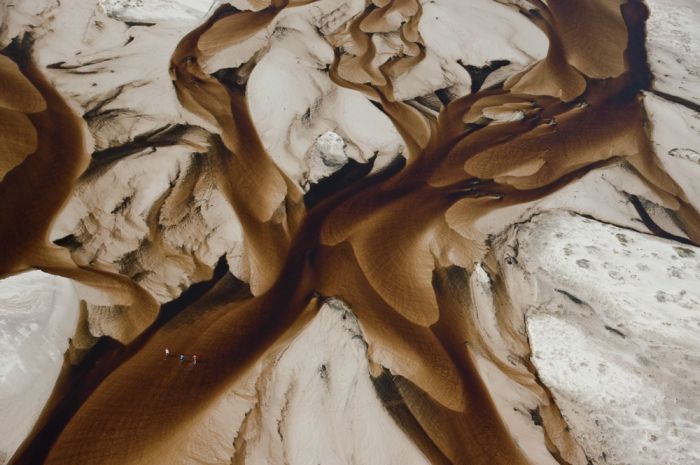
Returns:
(371, 152)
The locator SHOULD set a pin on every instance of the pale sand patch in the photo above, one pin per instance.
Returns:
(38, 314)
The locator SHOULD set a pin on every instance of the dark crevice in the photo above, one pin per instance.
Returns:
(378, 106)
(170, 134)
(139, 23)
(234, 79)
(652, 226)
(675, 99)
(535, 416)
(109, 98)
(635, 14)
(479, 74)
(63, 66)
(534, 13)
(84, 72)
(351, 172)
(70, 242)
(444, 96)
(388, 393)
(570, 296)
(615, 331)
(123, 205)
(19, 51)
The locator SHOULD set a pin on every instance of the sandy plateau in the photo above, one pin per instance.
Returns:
(369, 232)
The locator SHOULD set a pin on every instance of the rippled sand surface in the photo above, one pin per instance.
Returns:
(445, 155)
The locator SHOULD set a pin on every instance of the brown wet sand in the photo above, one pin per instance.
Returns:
(384, 245)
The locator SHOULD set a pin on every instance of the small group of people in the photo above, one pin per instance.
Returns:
(182, 357)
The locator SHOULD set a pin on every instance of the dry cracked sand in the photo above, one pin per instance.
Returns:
(392, 231)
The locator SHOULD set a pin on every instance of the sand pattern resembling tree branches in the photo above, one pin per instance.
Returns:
(387, 244)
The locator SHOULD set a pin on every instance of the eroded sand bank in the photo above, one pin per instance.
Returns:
(154, 143)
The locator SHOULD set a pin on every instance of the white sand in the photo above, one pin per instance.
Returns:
(623, 362)
(673, 44)
(38, 313)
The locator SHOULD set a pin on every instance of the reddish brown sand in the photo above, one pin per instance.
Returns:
(384, 245)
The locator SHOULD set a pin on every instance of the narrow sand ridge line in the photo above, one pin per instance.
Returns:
(389, 245)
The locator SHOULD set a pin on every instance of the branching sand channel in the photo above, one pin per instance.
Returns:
(395, 246)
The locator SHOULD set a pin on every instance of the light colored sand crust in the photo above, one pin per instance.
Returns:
(612, 319)
(38, 314)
